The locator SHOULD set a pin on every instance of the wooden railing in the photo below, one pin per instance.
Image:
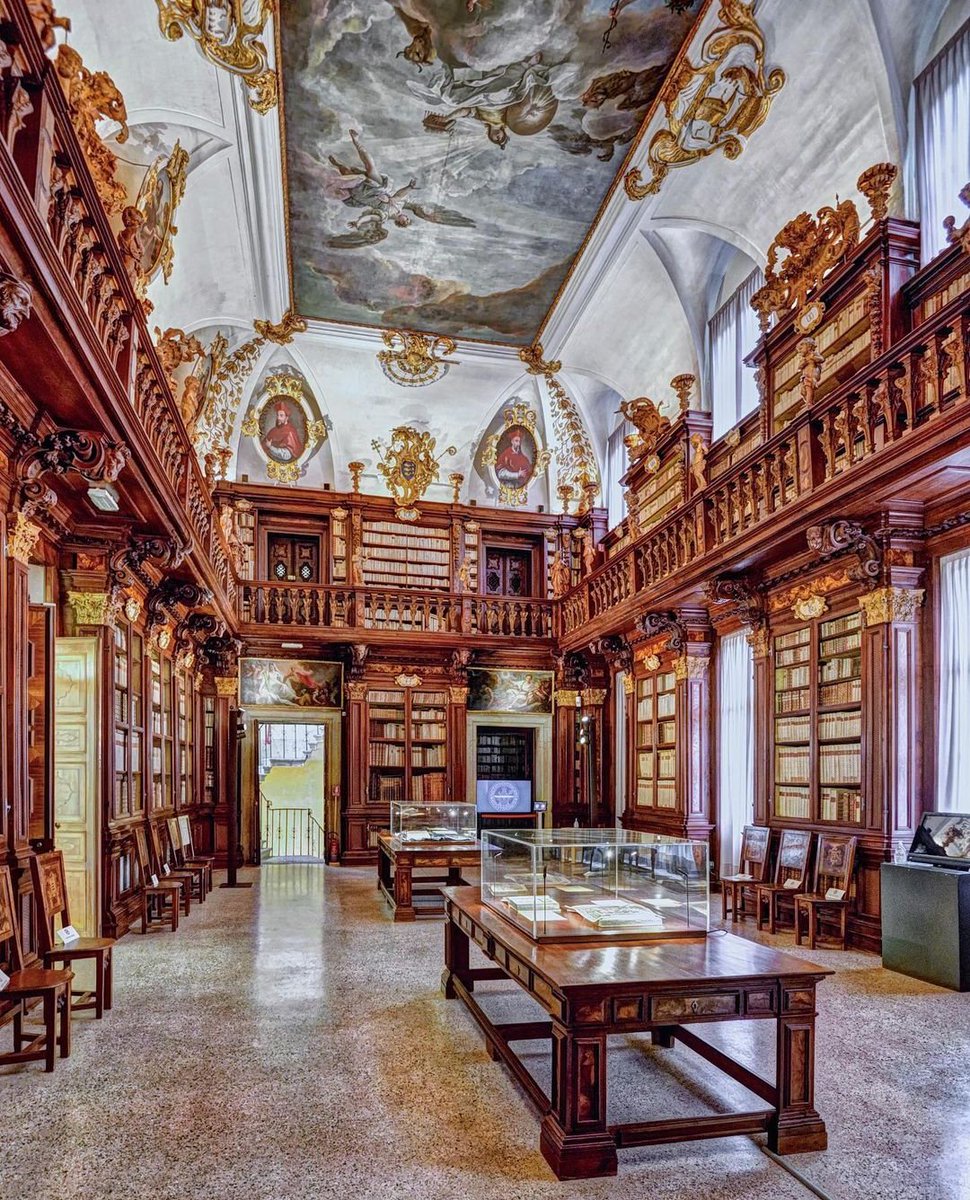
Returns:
(920, 381)
(266, 603)
(55, 198)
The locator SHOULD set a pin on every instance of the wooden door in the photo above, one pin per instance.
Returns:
(508, 572)
(77, 775)
(40, 751)
(292, 558)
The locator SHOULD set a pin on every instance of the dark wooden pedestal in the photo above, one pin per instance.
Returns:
(397, 863)
(591, 992)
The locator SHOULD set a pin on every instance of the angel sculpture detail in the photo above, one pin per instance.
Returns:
(363, 186)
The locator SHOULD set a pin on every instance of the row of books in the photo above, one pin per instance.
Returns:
(428, 756)
(791, 677)
(840, 804)
(792, 729)
(792, 801)
(839, 725)
(792, 764)
(427, 731)
(847, 667)
(386, 754)
(387, 788)
(666, 763)
(849, 692)
(797, 654)
(798, 637)
(430, 789)
(379, 697)
(387, 729)
(786, 702)
(840, 625)
(839, 764)
(428, 714)
(846, 643)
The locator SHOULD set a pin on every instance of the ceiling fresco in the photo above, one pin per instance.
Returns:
(446, 158)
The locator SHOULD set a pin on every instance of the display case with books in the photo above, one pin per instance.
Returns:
(432, 823)
(578, 885)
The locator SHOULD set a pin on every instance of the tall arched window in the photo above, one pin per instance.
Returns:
(732, 333)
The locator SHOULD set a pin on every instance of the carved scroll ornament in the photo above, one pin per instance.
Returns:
(409, 467)
(835, 537)
(92, 97)
(16, 299)
(716, 104)
(645, 416)
(655, 624)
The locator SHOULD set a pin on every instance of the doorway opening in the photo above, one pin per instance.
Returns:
(291, 771)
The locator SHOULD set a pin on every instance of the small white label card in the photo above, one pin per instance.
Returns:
(68, 934)
(153, 880)
(835, 894)
(791, 884)
(166, 869)
(4, 980)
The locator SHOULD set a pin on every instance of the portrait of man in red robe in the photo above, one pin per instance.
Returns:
(282, 439)
(513, 465)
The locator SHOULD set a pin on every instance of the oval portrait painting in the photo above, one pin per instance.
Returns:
(515, 456)
(282, 429)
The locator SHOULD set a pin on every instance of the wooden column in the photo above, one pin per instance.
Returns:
(457, 737)
(693, 711)
(760, 642)
(592, 756)
(226, 814)
(566, 804)
(892, 750)
(354, 810)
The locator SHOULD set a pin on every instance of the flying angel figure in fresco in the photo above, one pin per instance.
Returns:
(363, 186)
(517, 98)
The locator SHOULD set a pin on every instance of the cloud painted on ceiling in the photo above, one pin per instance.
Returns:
(445, 160)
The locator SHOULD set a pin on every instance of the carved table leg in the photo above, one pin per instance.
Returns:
(383, 869)
(796, 1126)
(574, 1140)
(403, 895)
(456, 958)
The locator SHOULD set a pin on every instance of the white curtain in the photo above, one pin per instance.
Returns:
(735, 743)
(616, 466)
(732, 333)
(619, 746)
(943, 140)
(953, 659)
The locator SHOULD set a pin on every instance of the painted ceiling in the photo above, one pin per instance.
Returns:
(446, 158)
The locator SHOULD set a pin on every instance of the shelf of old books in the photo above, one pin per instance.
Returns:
(656, 740)
(429, 736)
(404, 556)
(407, 755)
(817, 705)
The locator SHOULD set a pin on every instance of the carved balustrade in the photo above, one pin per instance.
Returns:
(392, 610)
(60, 205)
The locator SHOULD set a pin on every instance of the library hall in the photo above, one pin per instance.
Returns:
(484, 599)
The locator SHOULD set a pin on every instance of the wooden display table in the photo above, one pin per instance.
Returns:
(593, 991)
(397, 862)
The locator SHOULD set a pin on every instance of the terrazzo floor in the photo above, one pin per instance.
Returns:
(291, 1042)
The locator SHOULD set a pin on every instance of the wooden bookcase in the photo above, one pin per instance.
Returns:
(129, 721)
(816, 761)
(407, 745)
(209, 752)
(162, 794)
(185, 731)
(402, 556)
(503, 753)
(655, 741)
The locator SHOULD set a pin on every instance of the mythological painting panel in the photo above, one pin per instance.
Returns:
(446, 158)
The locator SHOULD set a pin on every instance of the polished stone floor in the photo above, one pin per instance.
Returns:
(291, 1042)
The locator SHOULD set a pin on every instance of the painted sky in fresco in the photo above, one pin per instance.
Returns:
(446, 159)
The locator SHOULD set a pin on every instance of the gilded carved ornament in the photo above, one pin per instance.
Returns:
(652, 662)
(876, 183)
(161, 192)
(46, 21)
(407, 679)
(92, 97)
(93, 608)
(593, 697)
(691, 666)
(683, 385)
(283, 332)
(415, 359)
(715, 104)
(810, 607)
(457, 694)
(889, 604)
(820, 586)
(799, 258)
(285, 392)
(629, 684)
(517, 417)
(576, 462)
(645, 416)
(22, 538)
(567, 697)
(409, 467)
(132, 608)
(356, 691)
(228, 33)
(759, 641)
(227, 686)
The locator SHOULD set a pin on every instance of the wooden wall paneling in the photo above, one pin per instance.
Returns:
(353, 843)
(40, 726)
(15, 767)
(566, 803)
(457, 737)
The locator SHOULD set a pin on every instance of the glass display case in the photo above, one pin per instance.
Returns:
(573, 885)
(433, 822)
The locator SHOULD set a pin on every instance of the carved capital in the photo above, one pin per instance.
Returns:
(567, 697)
(629, 684)
(93, 608)
(21, 538)
(593, 697)
(759, 642)
(227, 686)
(356, 690)
(692, 666)
(171, 593)
(889, 604)
(457, 695)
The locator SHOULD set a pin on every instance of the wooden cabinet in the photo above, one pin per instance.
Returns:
(293, 558)
(655, 741)
(507, 572)
(816, 758)
(407, 746)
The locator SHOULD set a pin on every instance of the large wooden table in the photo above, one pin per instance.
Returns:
(397, 861)
(592, 991)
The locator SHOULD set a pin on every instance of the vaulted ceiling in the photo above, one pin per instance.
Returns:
(634, 308)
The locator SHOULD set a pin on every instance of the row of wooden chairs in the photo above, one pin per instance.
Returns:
(816, 895)
(171, 874)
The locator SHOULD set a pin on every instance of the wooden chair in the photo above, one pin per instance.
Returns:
(155, 895)
(52, 988)
(834, 863)
(183, 855)
(791, 873)
(164, 869)
(50, 896)
(188, 845)
(755, 843)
